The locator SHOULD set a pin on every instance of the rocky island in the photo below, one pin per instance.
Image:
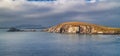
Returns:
(12, 29)
(82, 28)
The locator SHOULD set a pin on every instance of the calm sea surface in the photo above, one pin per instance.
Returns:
(54, 44)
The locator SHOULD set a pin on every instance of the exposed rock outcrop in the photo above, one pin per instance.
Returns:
(82, 28)
(12, 29)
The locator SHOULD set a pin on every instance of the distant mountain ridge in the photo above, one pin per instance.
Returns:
(25, 26)
(28, 26)
(82, 28)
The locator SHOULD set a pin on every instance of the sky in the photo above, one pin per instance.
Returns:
(53, 12)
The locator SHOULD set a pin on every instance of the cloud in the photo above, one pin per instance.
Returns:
(23, 11)
(60, 4)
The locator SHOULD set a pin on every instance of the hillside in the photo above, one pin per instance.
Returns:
(82, 28)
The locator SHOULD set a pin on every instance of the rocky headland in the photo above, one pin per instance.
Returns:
(82, 28)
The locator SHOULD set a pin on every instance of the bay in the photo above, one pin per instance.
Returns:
(55, 44)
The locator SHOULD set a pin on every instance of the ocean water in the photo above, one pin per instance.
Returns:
(54, 44)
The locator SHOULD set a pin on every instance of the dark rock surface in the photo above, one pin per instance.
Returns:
(12, 29)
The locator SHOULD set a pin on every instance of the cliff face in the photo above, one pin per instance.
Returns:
(82, 28)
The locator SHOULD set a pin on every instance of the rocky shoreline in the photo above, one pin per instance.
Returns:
(82, 28)
(74, 28)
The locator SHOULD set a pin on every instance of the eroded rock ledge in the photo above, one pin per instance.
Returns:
(82, 28)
